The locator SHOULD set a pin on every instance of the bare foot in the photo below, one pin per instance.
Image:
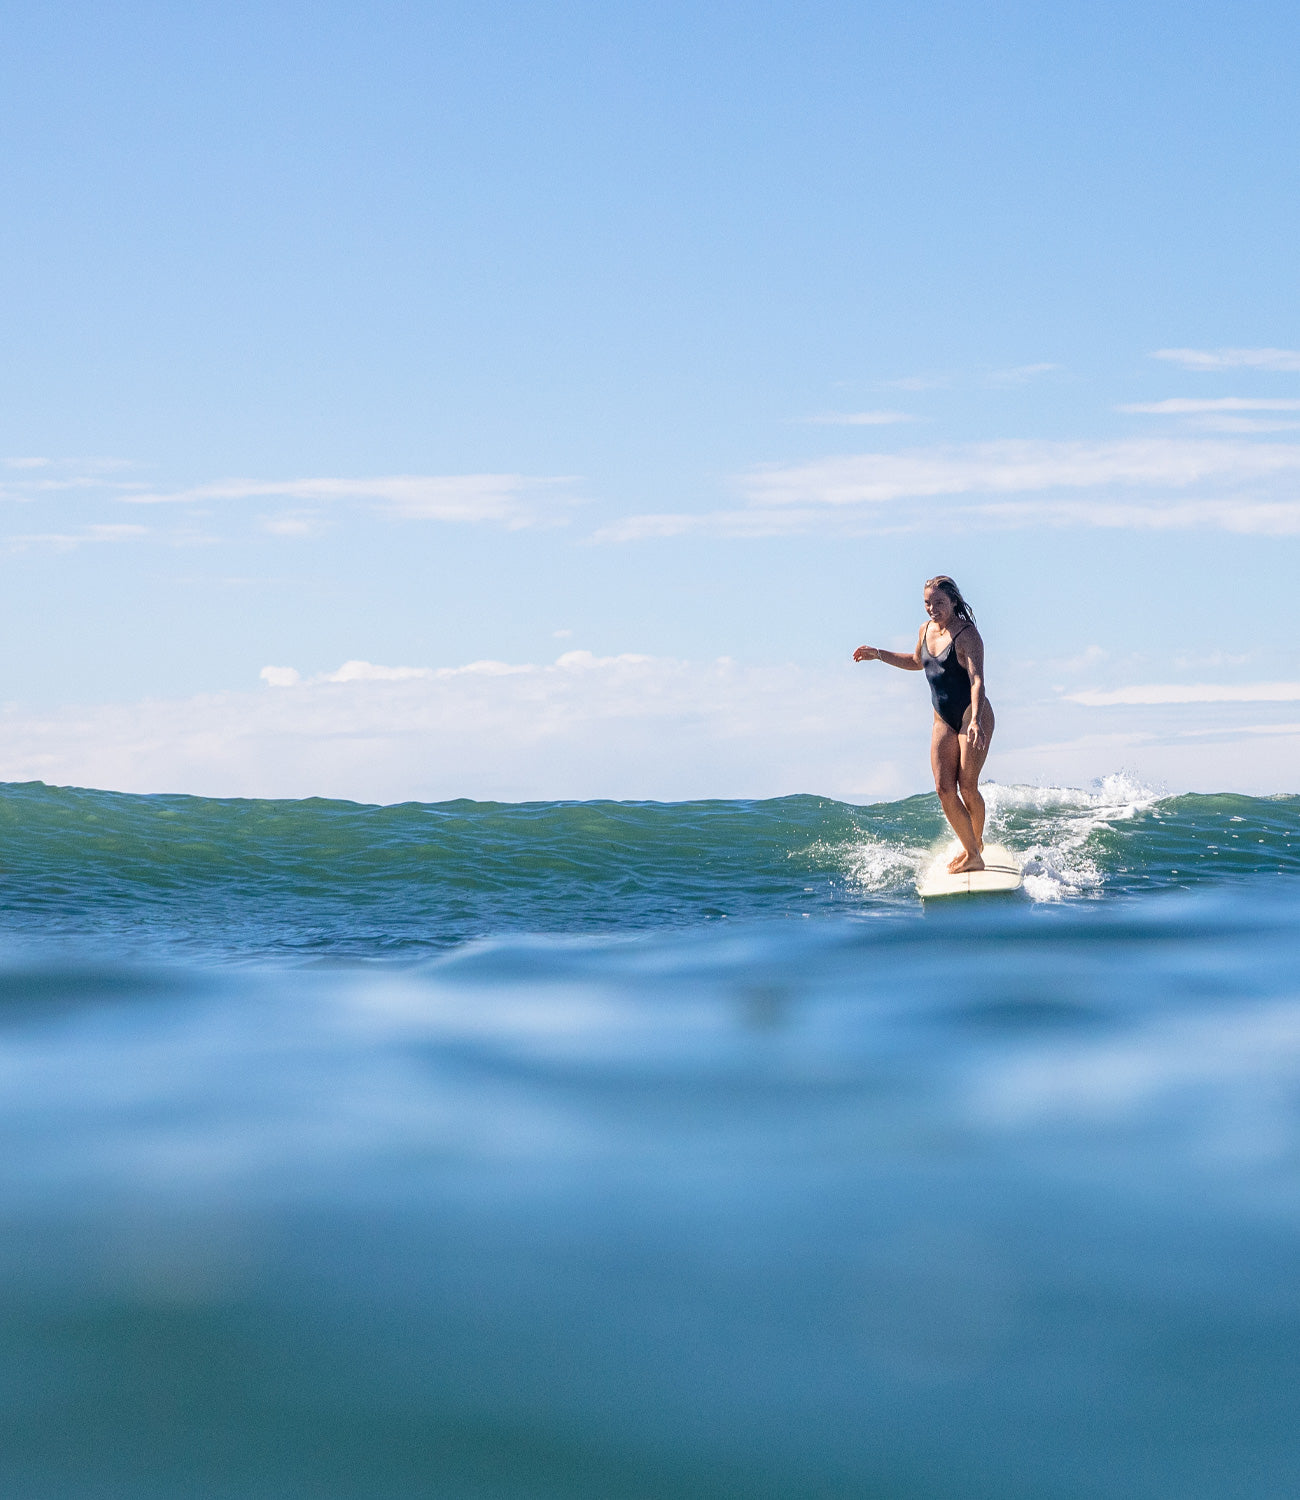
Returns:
(964, 863)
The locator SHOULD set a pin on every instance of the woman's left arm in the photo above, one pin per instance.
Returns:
(970, 652)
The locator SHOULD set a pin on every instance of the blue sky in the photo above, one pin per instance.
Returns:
(421, 336)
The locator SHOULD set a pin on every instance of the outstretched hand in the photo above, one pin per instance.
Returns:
(867, 653)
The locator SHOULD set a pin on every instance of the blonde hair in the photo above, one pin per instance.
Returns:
(960, 608)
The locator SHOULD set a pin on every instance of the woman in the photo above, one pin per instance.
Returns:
(951, 654)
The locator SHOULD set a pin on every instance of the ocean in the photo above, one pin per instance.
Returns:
(605, 1150)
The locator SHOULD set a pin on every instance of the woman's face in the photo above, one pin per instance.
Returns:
(938, 605)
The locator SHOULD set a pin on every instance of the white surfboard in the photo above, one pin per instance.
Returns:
(1001, 873)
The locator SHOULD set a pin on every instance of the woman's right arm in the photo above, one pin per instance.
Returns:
(910, 663)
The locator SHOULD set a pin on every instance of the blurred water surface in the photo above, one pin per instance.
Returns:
(607, 1151)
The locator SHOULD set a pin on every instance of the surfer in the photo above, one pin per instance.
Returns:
(950, 652)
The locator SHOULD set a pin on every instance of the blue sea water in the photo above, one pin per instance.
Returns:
(642, 1150)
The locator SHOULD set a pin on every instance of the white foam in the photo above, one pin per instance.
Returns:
(877, 866)
(1048, 827)
(1110, 797)
(1063, 820)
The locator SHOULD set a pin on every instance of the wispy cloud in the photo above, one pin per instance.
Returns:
(367, 671)
(350, 671)
(918, 383)
(1243, 517)
(293, 524)
(1224, 414)
(1266, 729)
(511, 500)
(1178, 406)
(1088, 657)
(1155, 693)
(663, 525)
(860, 418)
(74, 473)
(1232, 359)
(1020, 374)
(38, 487)
(1243, 424)
(886, 491)
(508, 500)
(1261, 518)
(69, 541)
(1016, 467)
(1013, 375)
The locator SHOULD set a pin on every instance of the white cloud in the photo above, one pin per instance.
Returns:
(860, 418)
(1020, 374)
(1192, 405)
(1224, 414)
(1153, 693)
(1088, 657)
(1016, 466)
(655, 527)
(47, 474)
(112, 532)
(919, 383)
(1212, 659)
(1013, 375)
(1232, 359)
(1242, 517)
(350, 671)
(368, 671)
(627, 725)
(67, 541)
(511, 500)
(1262, 518)
(1243, 424)
(292, 523)
(848, 493)
(365, 671)
(1269, 729)
(28, 489)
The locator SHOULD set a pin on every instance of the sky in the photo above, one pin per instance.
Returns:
(525, 400)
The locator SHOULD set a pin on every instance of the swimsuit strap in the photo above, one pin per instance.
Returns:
(925, 639)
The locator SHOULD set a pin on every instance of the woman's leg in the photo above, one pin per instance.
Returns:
(945, 761)
(968, 773)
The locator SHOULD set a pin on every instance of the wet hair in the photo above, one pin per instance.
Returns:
(960, 608)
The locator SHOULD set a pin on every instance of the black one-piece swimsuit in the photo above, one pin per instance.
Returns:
(949, 681)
